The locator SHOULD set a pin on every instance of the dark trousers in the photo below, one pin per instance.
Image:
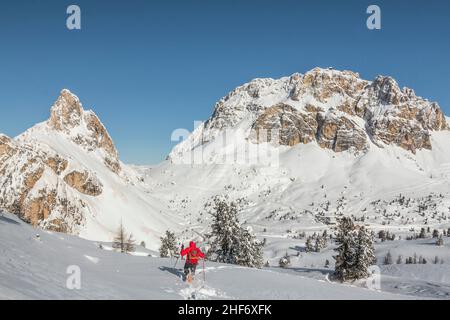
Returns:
(189, 268)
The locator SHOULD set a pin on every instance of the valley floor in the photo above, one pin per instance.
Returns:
(39, 267)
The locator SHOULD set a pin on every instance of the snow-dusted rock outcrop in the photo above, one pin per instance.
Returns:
(31, 182)
(336, 109)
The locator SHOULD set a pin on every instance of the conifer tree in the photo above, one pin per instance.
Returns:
(345, 258)
(130, 245)
(440, 241)
(309, 247)
(249, 251)
(388, 258)
(355, 249)
(435, 233)
(422, 234)
(122, 241)
(225, 229)
(168, 245)
(230, 243)
(320, 243)
(365, 253)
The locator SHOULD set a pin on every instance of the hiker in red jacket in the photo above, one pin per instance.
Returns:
(193, 255)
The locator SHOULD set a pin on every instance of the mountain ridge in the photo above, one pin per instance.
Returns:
(326, 106)
(335, 129)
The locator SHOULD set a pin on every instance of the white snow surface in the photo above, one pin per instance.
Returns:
(36, 268)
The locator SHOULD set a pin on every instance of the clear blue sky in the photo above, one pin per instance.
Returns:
(149, 67)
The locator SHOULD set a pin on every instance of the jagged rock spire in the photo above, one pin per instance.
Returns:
(66, 113)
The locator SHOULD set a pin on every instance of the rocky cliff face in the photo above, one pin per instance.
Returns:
(43, 186)
(31, 186)
(335, 109)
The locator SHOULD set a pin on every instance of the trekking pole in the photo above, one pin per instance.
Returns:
(204, 271)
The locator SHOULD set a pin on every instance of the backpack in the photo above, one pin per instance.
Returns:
(193, 255)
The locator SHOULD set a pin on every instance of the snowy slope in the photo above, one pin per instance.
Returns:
(121, 198)
(35, 268)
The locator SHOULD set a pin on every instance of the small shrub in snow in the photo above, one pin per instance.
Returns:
(309, 247)
(435, 233)
(422, 234)
(285, 261)
(388, 258)
(124, 242)
(440, 241)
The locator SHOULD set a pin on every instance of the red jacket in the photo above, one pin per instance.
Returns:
(193, 253)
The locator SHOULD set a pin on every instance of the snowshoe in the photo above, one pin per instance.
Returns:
(189, 278)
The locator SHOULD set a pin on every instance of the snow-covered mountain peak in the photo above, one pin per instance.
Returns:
(338, 110)
(64, 174)
(66, 113)
(69, 121)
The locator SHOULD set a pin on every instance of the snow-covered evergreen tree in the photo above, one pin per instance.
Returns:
(230, 243)
(422, 234)
(382, 235)
(388, 258)
(365, 253)
(320, 243)
(250, 252)
(346, 255)
(225, 229)
(440, 241)
(355, 251)
(168, 245)
(435, 233)
(309, 246)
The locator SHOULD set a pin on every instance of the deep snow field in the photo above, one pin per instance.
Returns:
(36, 268)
